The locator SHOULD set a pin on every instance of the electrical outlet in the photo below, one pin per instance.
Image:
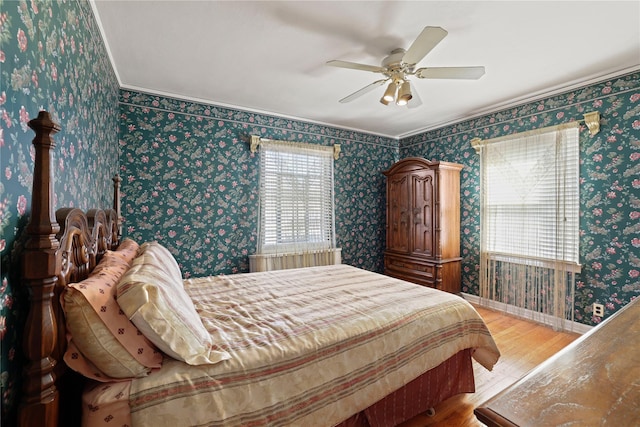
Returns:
(598, 309)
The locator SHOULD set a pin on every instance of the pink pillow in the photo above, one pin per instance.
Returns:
(103, 343)
(127, 251)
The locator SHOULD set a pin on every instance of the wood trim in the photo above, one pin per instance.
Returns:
(418, 163)
(493, 419)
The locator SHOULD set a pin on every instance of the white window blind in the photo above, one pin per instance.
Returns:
(296, 198)
(531, 196)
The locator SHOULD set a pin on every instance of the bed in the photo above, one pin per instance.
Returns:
(115, 336)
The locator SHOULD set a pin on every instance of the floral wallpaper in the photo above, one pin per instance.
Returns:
(609, 185)
(51, 57)
(190, 182)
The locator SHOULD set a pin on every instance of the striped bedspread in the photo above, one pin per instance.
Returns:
(309, 347)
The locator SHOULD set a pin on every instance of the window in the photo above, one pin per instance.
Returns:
(529, 221)
(530, 194)
(296, 198)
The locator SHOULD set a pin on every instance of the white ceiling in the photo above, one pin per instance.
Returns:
(269, 56)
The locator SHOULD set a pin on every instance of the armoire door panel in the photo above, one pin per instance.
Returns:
(399, 214)
(422, 209)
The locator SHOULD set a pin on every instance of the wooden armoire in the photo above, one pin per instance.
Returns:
(423, 223)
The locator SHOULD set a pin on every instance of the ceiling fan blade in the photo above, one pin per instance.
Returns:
(427, 40)
(355, 66)
(415, 100)
(472, 73)
(362, 91)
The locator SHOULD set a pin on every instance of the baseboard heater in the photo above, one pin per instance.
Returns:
(268, 262)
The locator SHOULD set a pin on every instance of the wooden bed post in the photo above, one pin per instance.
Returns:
(39, 400)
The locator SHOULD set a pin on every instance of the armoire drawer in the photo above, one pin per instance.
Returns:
(408, 267)
(417, 272)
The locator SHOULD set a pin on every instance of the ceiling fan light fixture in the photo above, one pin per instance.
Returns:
(404, 94)
(401, 64)
(389, 94)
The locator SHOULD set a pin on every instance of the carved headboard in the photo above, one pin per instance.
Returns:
(59, 248)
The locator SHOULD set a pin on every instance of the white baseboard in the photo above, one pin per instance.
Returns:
(567, 325)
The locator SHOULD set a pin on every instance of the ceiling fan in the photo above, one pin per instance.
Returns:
(400, 64)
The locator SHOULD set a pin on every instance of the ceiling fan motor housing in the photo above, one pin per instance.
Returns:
(394, 60)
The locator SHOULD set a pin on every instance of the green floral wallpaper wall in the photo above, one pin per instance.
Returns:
(609, 185)
(51, 57)
(190, 181)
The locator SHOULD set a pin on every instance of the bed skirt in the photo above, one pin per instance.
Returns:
(453, 376)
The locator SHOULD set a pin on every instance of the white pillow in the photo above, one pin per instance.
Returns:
(152, 295)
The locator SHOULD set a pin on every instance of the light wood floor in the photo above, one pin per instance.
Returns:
(523, 345)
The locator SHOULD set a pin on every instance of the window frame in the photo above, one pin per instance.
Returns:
(297, 191)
